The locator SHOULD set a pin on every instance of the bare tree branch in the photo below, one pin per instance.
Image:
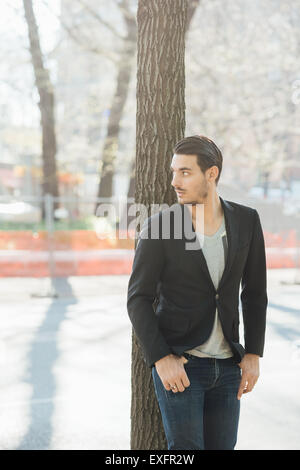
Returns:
(84, 42)
(99, 18)
(191, 10)
(125, 10)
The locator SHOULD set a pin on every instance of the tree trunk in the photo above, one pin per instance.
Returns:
(160, 124)
(191, 10)
(46, 105)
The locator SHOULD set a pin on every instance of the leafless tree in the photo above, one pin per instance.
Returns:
(46, 104)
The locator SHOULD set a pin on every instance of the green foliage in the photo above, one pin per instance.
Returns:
(86, 223)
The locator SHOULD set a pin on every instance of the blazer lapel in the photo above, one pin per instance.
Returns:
(195, 251)
(232, 229)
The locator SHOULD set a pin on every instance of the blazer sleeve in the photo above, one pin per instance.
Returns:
(254, 292)
(147, 267)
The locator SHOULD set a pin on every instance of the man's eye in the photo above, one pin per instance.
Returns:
(186, 172)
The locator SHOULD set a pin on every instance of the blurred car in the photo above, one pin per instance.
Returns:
(19, 211)
(292, 207)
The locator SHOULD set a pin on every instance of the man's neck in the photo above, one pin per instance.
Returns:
(213, 210)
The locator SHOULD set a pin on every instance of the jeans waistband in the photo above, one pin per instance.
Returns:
(208, 359)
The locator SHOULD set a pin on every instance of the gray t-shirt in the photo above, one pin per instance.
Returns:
(216, 345)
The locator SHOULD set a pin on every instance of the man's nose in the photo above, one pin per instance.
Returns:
(174, 181)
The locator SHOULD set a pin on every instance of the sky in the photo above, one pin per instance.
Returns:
(12, 19)
(15, 80)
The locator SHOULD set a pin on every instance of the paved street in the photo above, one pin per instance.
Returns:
(65, 366)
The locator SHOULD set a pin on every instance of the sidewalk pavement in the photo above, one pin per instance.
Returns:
(65, 366)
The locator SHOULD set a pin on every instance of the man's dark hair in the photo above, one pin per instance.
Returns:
(208, 154)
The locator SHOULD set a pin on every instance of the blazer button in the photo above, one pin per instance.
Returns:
(217, 296)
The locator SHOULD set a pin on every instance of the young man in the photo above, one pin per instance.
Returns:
(191, 340)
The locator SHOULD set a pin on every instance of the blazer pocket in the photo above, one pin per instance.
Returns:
(173, 322)
(170, 308)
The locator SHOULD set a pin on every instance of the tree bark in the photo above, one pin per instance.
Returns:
(46, 105)
(160, 124)
(191, 10)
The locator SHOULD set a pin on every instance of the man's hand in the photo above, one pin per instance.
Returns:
(250, 373)
(172, 373)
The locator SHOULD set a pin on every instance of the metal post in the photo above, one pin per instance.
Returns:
(49, 219)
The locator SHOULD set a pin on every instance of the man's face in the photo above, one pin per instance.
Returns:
(190, 184)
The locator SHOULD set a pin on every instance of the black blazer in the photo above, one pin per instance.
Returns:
(171, 298)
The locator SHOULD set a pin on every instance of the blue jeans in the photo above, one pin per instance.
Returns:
(205, 415)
